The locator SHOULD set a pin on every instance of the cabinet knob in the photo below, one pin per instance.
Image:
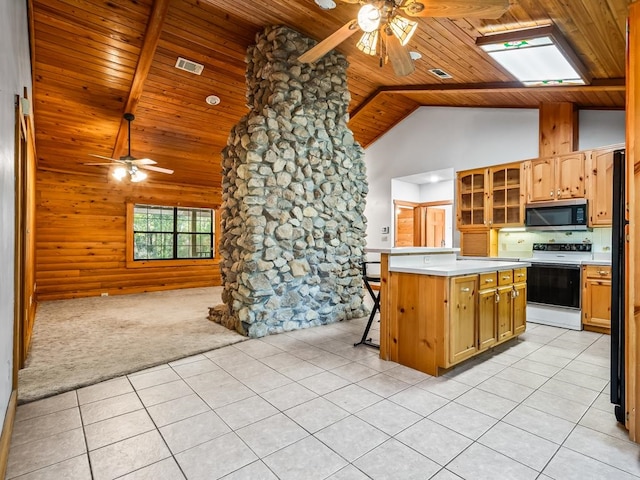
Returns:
(489, 280)
(551, 193)
(497, 297)
(602, 272)
(558, 192)
(506, 277)
(465, 289)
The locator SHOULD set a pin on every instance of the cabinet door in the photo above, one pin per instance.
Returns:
(487, 302)
(473, 193)
(542, 180)
(600, 187)
(462, 325)
(519, 308)
(505, 312)
(507, 204)
(570, 176)
(597, 303)
(482, 242)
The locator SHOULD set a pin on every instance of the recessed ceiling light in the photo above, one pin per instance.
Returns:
(415, 55)
(213, 100)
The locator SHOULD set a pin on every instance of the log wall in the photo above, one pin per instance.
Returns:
(81, 231)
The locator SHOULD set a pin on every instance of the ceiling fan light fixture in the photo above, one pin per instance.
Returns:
(368, 42)
(369, 18)
(137, 175)
(403, 28)
(119, 173)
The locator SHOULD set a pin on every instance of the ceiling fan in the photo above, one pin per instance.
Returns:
(386, 32)
(129, 165)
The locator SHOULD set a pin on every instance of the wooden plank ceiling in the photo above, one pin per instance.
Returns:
(94, 60)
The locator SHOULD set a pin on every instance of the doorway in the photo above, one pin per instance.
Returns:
(420, 224)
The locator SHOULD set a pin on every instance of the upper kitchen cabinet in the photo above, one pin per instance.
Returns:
(556, 178)
(491, 197)
(473, 196)
(507, 195)
(600, 187)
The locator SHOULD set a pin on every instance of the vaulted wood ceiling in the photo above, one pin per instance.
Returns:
(94, 60)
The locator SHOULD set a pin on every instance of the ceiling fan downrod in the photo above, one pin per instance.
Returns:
(129, 117)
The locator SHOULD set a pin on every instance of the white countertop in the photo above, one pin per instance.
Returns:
(596, 262)
(411, 250)
(460, 267)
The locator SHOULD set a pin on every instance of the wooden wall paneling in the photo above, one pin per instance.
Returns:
(7, 428)
(558, 128)
(81, 244)
(632, 283)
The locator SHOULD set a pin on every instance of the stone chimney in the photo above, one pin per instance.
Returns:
(294, 188)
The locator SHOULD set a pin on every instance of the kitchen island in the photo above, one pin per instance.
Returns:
(437, 311)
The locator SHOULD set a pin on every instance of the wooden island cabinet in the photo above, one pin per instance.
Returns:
(443, 315)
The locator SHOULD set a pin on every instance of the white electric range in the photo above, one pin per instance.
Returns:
(554, 284)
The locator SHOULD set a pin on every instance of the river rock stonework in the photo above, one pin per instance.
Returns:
(294, 187)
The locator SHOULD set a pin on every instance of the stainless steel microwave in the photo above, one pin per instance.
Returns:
(558, 215)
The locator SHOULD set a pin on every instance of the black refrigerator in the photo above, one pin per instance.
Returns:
(618, 240)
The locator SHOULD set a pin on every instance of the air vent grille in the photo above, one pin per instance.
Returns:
(189, 66)
(438, 72)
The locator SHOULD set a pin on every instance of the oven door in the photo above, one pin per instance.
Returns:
(554, 284)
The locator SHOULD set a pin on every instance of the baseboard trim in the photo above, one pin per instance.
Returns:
(7, 429)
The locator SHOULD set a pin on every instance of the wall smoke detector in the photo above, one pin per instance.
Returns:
(189, 66)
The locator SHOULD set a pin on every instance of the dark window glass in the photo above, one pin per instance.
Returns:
(171, 233)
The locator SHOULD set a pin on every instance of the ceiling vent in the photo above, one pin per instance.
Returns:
(189, 66)
(438, 72)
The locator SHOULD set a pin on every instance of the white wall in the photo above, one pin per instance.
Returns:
(600, 127)
(15, 73)
(434, 138)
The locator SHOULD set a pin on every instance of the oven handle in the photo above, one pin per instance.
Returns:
(571, 266)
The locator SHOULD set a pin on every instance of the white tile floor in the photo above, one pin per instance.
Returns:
(308, 405)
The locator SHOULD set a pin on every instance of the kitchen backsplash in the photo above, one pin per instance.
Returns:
(520, 244)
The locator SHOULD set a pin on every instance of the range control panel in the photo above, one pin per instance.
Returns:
(562, 247)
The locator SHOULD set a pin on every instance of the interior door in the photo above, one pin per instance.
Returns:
(434, 225)
(404, 226)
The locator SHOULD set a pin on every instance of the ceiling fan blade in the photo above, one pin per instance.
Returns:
(489, 9)
(143, 161)
(329, 43)
(399, 57)
(156, 169)
(99, 164)
(106, 158)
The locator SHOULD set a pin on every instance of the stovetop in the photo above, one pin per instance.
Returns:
(559, 253)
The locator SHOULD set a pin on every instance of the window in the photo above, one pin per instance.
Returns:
(172, 233)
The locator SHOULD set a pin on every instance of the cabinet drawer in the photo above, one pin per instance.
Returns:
(488, 280)
(505, 277)
(519, 275)
(598, 271)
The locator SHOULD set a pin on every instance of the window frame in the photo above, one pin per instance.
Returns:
(131, 263)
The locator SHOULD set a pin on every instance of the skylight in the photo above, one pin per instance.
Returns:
(536, 57)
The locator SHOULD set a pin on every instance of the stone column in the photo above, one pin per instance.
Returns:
(294, 189)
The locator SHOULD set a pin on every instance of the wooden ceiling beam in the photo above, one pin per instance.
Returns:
(597, 85)
(147, 52)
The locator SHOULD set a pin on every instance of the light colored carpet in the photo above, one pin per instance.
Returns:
(82, 341)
